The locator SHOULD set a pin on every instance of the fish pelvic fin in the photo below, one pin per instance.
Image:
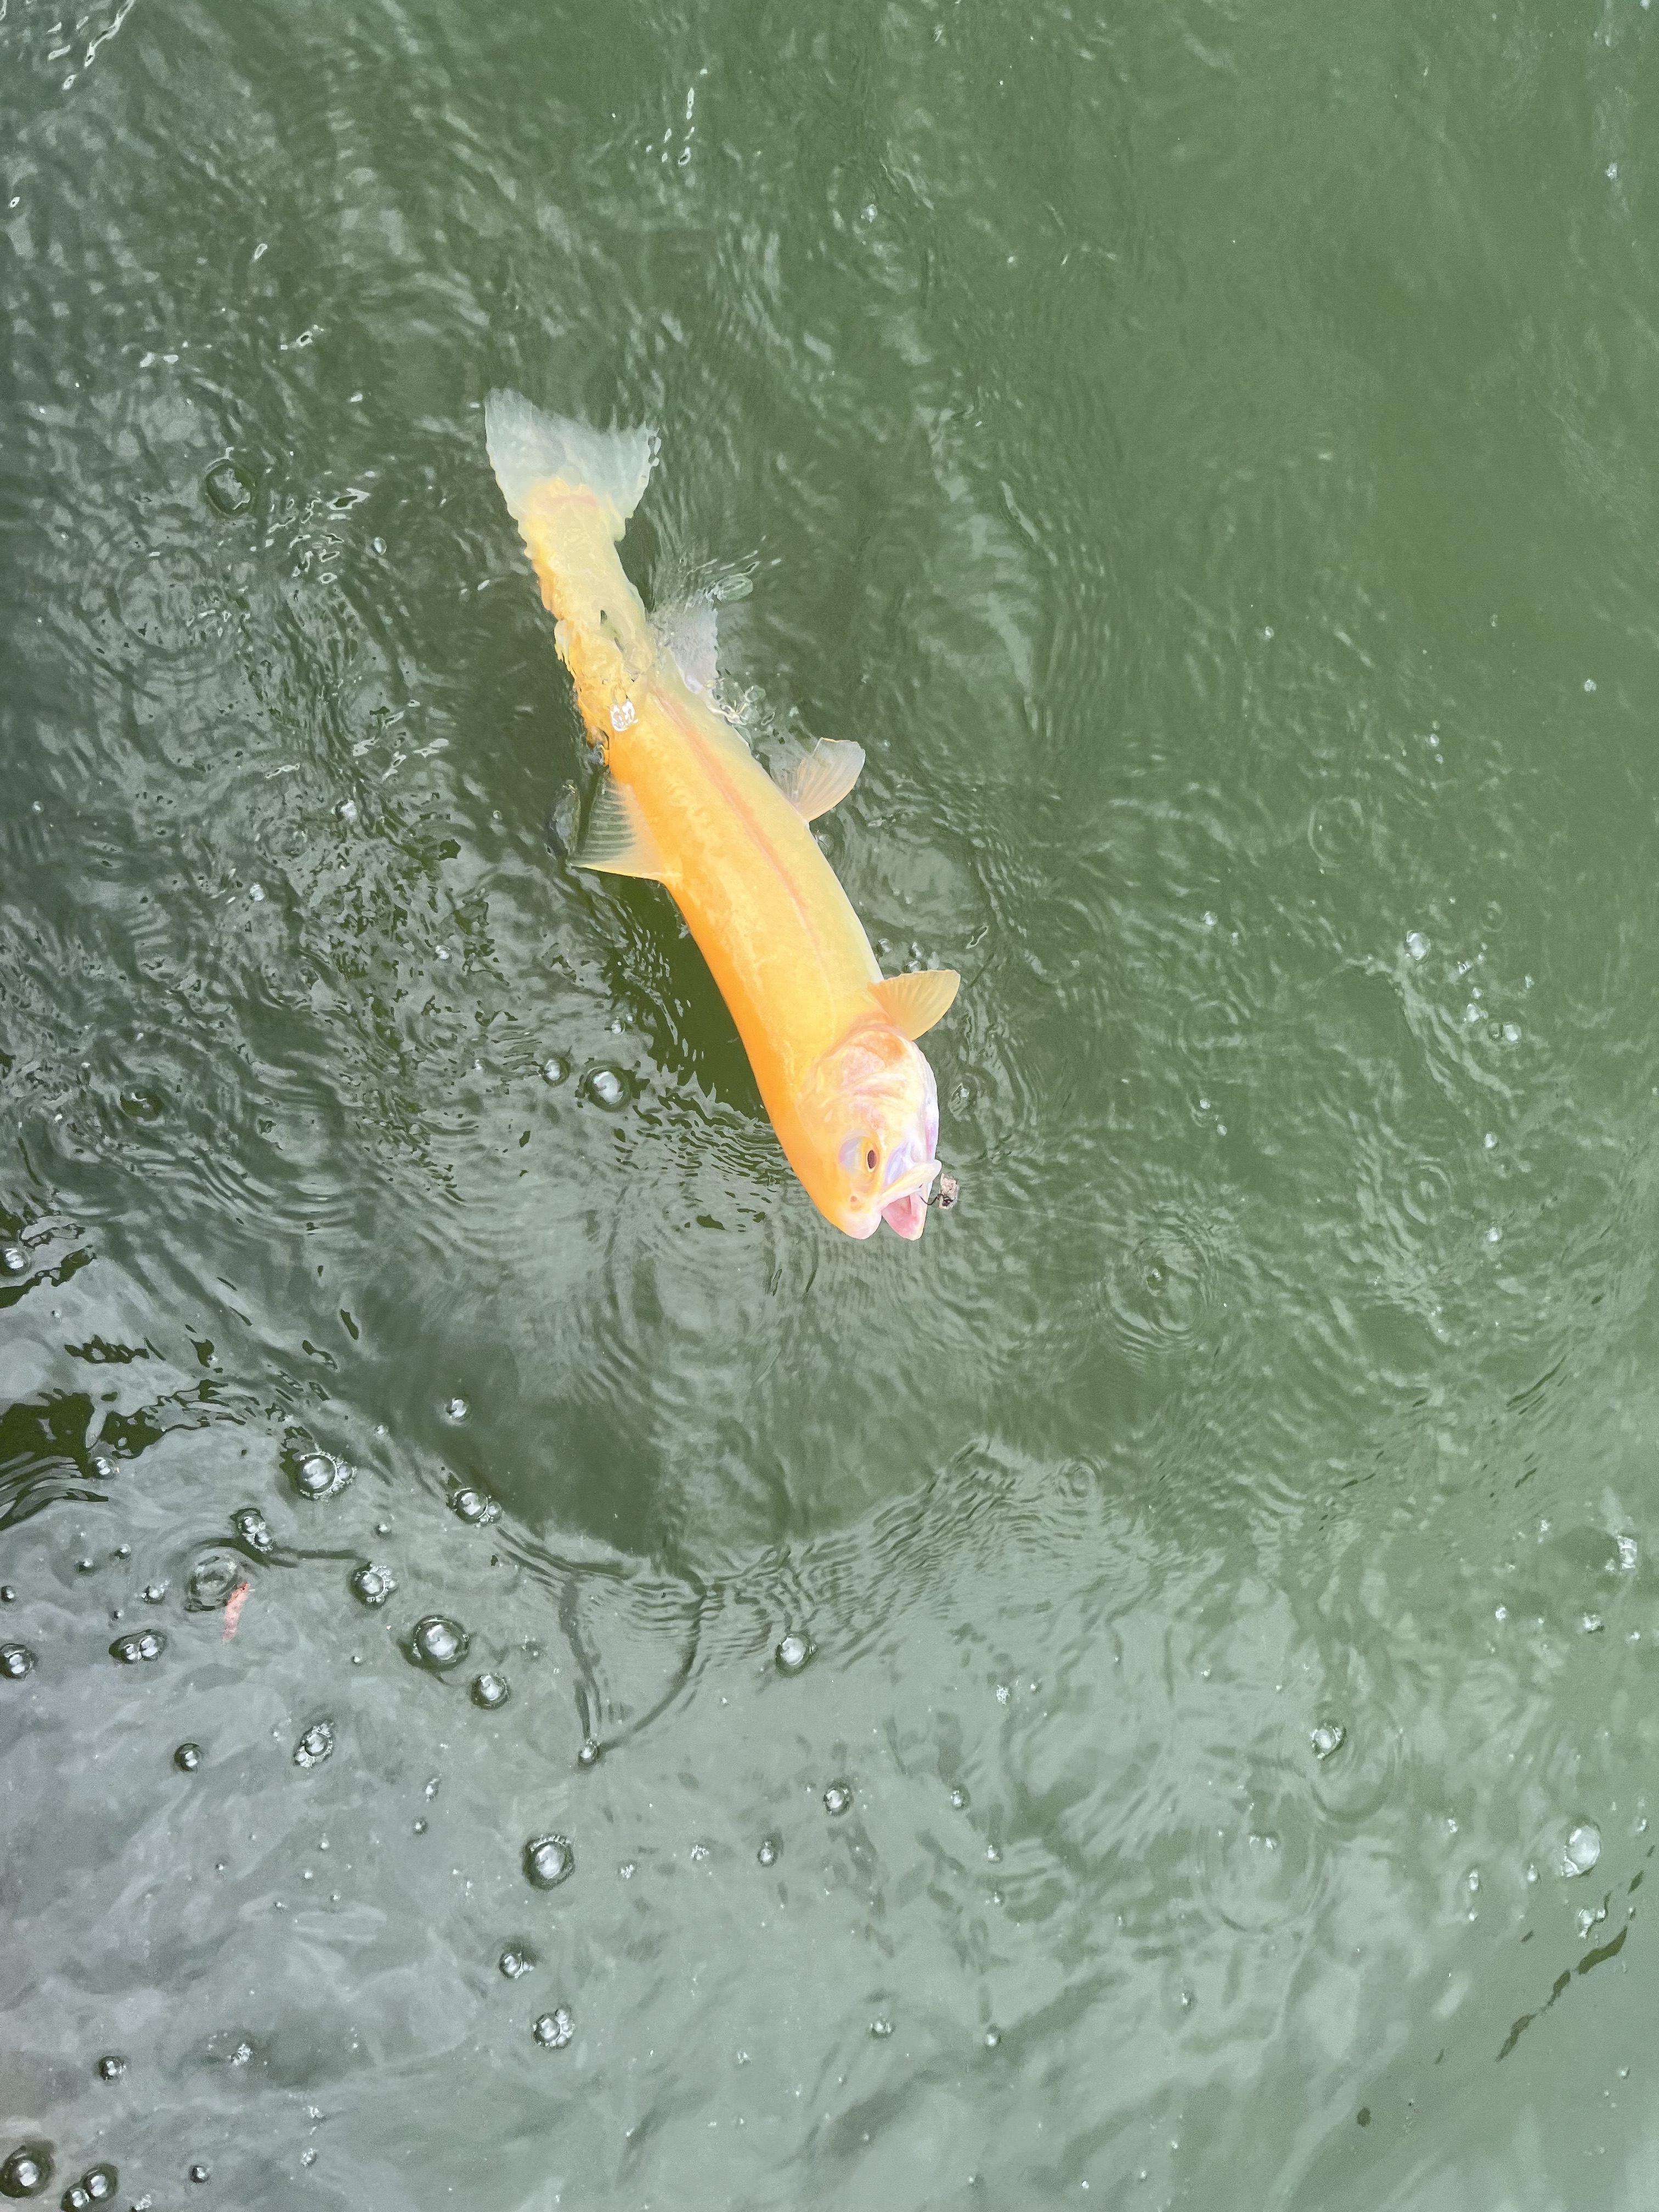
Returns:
(912, 1003)
(618, 841)
(529, 448)
(822, 778)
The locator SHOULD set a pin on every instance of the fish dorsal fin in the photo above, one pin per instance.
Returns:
(618, 841)
(822, 779)
(686, 630)
(528, 448)
(913, 1003)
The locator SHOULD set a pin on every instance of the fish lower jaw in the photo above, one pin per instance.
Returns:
(907, 1217)
(905, 1208)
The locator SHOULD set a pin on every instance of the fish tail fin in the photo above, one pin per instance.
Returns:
(528, 448)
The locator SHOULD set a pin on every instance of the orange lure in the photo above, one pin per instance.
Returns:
(684, 802)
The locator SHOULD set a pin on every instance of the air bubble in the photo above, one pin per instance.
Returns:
(1417, 944)
(881, 2028)
(958, 1797)
(96, 2187)
(770, 1849)
(139, 1649)
(27, 2172)
(253, 1528)
(154, 1593)
(112, 2066)
(474, 1507)
(1582, 1849)
(373, 1584)
(554, 2029)
(210, 1584)
(456, 1409)
(16, 1660)
(187, 1758)
(490, 1690)
(320, 1475)
(606, 1087)
(14, 1259)
(587, 1753)
(200, 2172)
(1329, 1736)
(229, 489)
(993, 2037)
(792, 1654)
(437, 1643)
(1627, 1554)
(548, 1861)
(837, 1797)
(554, 1070)
(316, 1745)
(516, 1961)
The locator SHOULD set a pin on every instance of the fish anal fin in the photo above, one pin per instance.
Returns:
(913, 1003)
(687, 632)
(618, 841)
(822, 779)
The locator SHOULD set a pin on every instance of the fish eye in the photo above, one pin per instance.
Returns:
(870, 1160)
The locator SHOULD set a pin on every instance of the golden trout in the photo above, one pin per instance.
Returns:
(684, 802)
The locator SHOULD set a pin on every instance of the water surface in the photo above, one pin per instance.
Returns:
(1209, 457)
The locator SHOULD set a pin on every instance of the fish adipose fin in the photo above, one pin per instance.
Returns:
(618, 841)
(528, 448)
(913, 1003)
(822, 779)
(687, 632)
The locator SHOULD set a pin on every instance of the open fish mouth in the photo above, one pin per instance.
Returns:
(905, 1209)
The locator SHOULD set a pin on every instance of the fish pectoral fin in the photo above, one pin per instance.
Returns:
(913, 1003)
(688, 633)
(822, 779)
(618, 841)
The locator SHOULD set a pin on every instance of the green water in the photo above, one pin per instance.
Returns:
(1209, 457)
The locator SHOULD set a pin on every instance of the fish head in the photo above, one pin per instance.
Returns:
(868, 1126)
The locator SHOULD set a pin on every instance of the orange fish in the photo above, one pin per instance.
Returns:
(683, 801)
